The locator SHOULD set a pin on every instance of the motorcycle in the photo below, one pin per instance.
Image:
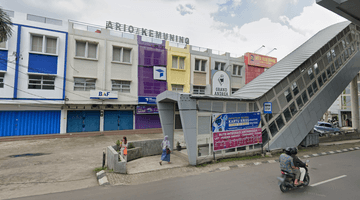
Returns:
(286, 181)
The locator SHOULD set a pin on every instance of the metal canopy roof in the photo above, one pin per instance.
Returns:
(267, 80)
(345, 8)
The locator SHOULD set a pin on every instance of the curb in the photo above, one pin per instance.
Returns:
(102, 178)
(276, 161)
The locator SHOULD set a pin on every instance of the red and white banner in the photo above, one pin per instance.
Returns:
(238, 138)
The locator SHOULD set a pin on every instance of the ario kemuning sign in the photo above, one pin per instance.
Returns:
(146, 32)
(99, 94)
(221, 84)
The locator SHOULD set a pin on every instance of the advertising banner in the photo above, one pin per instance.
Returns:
(146, 110)
(147, 100)
(98, 94)
(159, 73)
(259, 60)
(221, 84)
(233, 139)
(231, 130)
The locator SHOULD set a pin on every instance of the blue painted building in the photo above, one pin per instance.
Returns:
(33, 76)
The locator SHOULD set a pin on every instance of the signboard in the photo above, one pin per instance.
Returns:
(159, 73)
(267, 108)
(233, 130)
(147, 100)
(99, 94)
(147, 110)
(221, 84)
(259, 60)
(147, 32)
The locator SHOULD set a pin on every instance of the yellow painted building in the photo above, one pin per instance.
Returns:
(178, 68)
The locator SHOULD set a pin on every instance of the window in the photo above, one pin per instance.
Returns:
(299, 102)
(329, 58)
(86, 49)
(121, 86)
(310, 90)
(121, 54)
(304, 97)
(37, 42)
(295, 88)
(178, 62)
(237, 70)
(2, 44)
(219, 66)
(199, 89)
(293, 109)
(177, 88)
(200, 65)
(310, 73)
(320, 81)
(41, 82)
(273, 128)
(287, 114)
(84, 84)
(2, 80)
(233, 90)
(324, 77)
(315, 88)
(288, 95)
(316, 67)
(280, 122)
(44, 20)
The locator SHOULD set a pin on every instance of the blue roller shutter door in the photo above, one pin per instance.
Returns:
(83, 121)
(118, 120)
(16, 123)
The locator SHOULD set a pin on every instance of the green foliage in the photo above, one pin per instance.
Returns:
(117, 143)
(131, 146)
(5, 26)
(99, 169)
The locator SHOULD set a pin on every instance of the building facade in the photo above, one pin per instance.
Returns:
(256, 64)
(102, 79)
(152, 78)
(32, 76)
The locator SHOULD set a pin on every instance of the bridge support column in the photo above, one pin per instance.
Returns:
(354, 103)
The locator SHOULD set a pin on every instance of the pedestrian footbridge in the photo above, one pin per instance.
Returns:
(301, 86)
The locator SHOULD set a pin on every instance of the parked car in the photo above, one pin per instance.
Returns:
(323, 128)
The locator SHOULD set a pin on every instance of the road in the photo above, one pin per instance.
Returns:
(256, 182)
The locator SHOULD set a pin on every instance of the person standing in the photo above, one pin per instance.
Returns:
(124, 146)
(165, 156)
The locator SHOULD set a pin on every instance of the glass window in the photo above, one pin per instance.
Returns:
(181, 63)
(2, 44)
(2, 75)
(177, 88)
(316, 67)
(86, 49)
(84, 84)
(237, 70)
(117, 54)
(295, 88)
(203, 65)
(288, 95)
(328, 72)
(219, 66)
(223, 66)
(310, 90)
(304, 97)
(92, 50)
(293, 109)
(37, 42)
(310, 73)
(197, 64)
(80, 49)
(121, 86)
(233, 90)
(329, 58)
(280, 122)
(200, 65)
(41, 82)
(199, 89)
(174, 62)
(332, 69)
(287, 114)
(324, 77)
(333, 53)
(265, 136)
(126, 55)
(315, 88)
(51, 45)
(320, 81)
(299, 102)
(273, 128)
(268, 117)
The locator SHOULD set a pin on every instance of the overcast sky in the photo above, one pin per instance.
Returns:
(235, 26)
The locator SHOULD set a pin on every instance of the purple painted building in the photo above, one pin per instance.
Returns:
(152, 63)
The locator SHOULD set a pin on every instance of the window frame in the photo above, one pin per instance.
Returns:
(177, 62)
(85, 87)
(175, 86)
(122, 54)
(2, 78)
(200, 65)
(121, 83)
(238, 70)
(199, 89)
(44, 44)
(42, 80)
(86, 56)
(222, 64)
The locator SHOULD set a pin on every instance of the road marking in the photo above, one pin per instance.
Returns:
(345, 150)
(339, 151)
(272, 161)
(306, 156)
(241, 165)
(331, 152)
(257, 163)
(322, 182)
(315, 154)
(357, 148)
(224, 168)
(351, 149)
(323, 153)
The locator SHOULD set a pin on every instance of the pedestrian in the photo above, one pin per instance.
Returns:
(165, 156)
(124, 146)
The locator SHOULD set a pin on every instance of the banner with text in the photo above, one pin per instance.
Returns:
(234, 139)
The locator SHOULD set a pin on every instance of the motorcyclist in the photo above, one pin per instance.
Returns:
(299, 164)
(287, 164)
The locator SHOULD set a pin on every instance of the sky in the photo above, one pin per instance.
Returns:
(234, 26)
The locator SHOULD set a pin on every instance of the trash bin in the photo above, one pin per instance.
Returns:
(310, 140)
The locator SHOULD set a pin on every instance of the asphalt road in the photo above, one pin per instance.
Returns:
(256, 182)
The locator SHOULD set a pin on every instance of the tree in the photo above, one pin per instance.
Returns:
(5, 26)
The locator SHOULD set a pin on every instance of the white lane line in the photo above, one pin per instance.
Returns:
(322, 182)
(257, 163)
(331, 152)
(306, 156)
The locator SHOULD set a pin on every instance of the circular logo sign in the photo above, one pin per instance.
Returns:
(221, 84)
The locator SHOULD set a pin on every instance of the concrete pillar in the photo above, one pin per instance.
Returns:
(101, 120)
(167, 113)
(354, 103)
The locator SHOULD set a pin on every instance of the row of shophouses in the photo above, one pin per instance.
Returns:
(62, 76)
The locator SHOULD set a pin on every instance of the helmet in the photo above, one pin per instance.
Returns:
(288, 151)
(294, 150)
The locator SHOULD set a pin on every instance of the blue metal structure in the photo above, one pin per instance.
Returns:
(16, 123)
(83, 121)
(118, 120)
